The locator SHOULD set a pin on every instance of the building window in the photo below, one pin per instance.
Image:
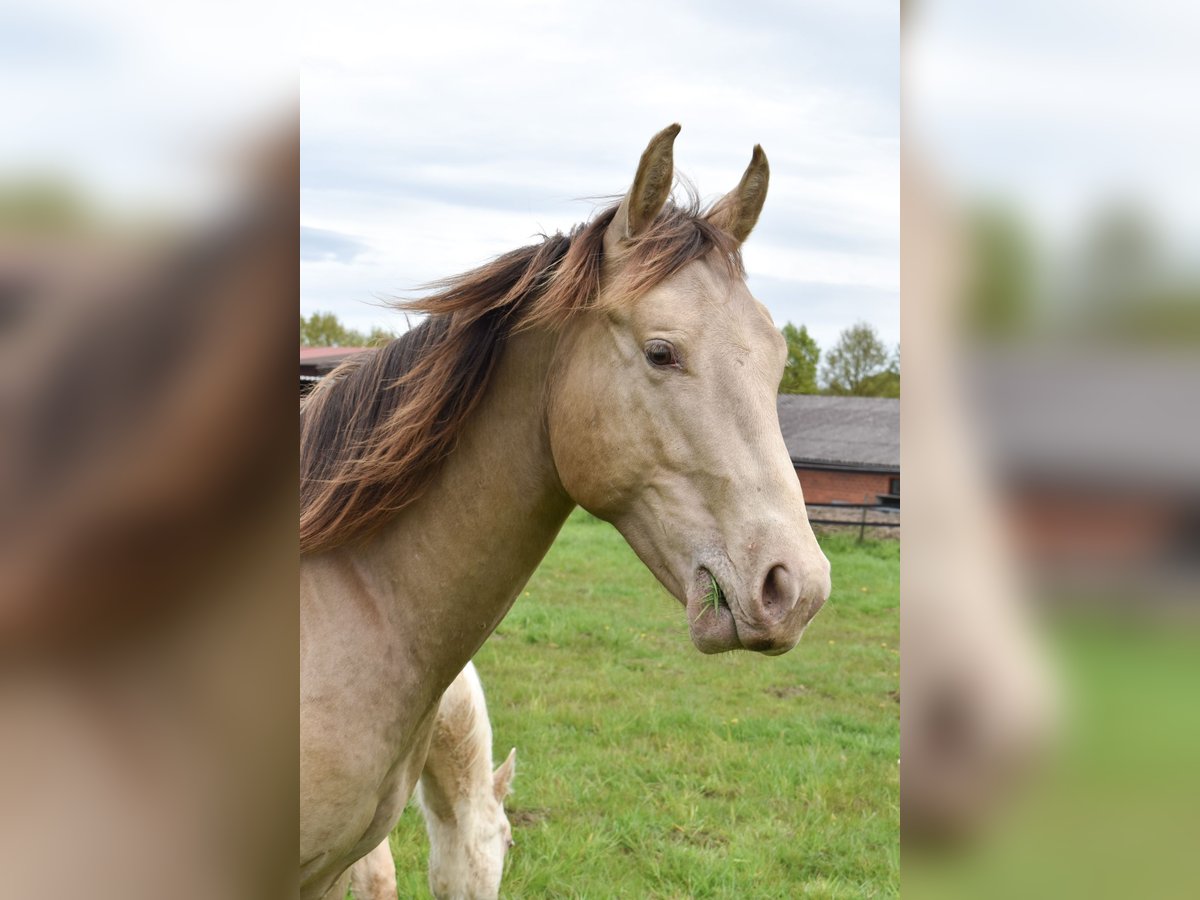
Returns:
(894, 485)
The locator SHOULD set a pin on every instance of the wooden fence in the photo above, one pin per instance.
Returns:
(855, 515)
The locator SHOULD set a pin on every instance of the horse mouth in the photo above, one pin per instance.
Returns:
(711, 623)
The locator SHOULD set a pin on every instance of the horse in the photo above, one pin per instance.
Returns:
(624, 367)
(462, 801)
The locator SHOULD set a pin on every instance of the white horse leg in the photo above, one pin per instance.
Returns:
(374, 876)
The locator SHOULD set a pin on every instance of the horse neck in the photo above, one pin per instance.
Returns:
(460, 555)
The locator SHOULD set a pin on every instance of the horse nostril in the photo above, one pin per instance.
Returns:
(778, 590)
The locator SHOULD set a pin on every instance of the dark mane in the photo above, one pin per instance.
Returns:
(374, 432)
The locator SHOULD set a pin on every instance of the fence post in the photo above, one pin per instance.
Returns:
(862, 525)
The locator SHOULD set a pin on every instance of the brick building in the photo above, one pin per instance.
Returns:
(844, 449)
(1094, 451)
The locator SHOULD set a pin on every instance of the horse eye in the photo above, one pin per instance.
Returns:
(661, 354)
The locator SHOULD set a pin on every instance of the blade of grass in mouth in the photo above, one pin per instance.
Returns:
(715, 597)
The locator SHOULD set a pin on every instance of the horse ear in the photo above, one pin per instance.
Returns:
(503, 776)
(737, 212)
(651, 187)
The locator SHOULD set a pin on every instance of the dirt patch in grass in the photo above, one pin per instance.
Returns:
(523, 818)
(697, 837)
(787, 691)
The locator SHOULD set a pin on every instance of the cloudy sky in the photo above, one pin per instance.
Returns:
(128, 102)
(436, 136)
(1061, 108)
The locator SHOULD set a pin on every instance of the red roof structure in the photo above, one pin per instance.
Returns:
(317, 362)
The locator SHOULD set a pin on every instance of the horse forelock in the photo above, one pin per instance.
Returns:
(374, 432)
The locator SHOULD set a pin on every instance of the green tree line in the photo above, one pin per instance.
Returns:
(859, 364)
(323, 329)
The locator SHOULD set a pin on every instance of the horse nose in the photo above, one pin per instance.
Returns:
(778, 594)
(768, 626)
(791, 594)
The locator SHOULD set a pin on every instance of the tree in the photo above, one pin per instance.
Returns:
(800, 375)
(1121, 264)
(887, 382)
(322, 329)
(859, 365)
(43, 205)
(1002, 283)
(380, 336)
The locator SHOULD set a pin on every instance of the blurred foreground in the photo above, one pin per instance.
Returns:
(148, 284)
(1051, 426)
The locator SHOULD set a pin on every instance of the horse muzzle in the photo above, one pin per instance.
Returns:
(767, 616)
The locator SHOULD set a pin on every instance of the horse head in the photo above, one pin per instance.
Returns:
(662, 416)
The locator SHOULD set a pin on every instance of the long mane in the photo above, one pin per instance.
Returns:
(374, 432)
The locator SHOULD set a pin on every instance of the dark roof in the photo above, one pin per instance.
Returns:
(1072, 415)
(842, 432)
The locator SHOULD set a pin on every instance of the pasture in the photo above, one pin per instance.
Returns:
(646, 769)
(1114, 812)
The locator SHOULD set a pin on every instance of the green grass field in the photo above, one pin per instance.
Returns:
(646, 769)
(1114, 812)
